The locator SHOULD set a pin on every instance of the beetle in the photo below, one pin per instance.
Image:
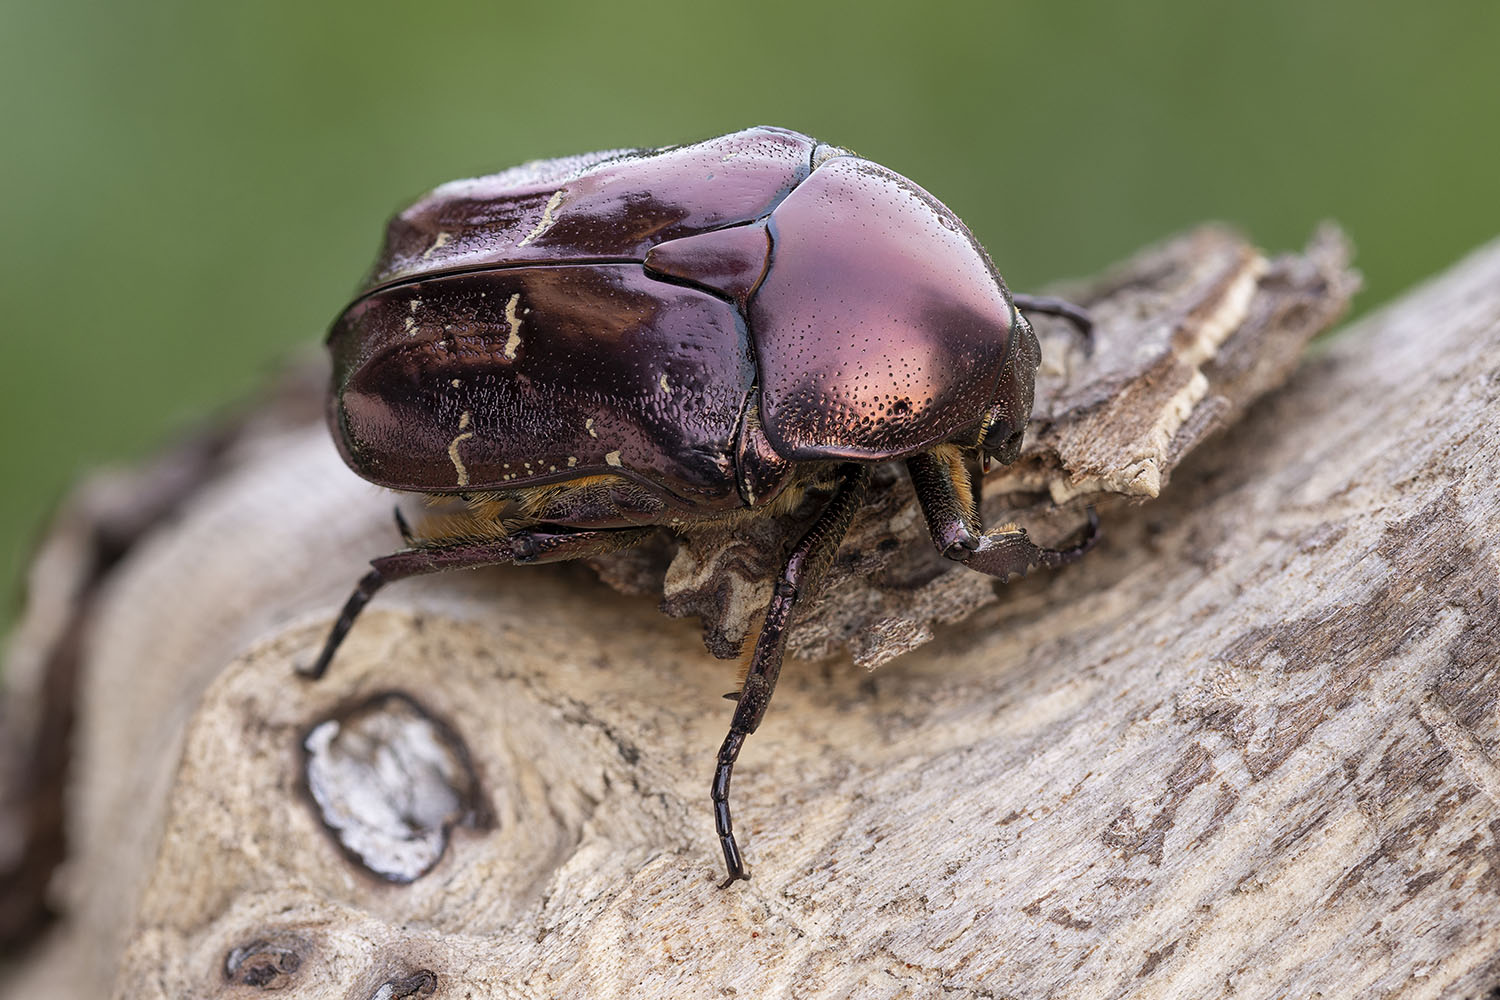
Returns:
(583, 350)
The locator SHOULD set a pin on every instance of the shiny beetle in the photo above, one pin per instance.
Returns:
(586, 349)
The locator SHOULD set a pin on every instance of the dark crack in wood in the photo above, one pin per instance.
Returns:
(266, 964)
(418, 984)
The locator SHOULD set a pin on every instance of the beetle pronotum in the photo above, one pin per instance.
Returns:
(589, 348)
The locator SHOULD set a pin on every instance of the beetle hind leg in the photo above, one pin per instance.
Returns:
(801, 577)
(943, 490)
(521, 547)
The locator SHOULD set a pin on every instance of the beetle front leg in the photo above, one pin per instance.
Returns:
(1008, 552)
(522, 547)
(801, 578)
(1004, 552)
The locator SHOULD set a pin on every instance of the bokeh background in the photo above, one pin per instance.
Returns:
(191, 189)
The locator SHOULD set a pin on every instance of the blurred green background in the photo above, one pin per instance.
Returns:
(191, 189)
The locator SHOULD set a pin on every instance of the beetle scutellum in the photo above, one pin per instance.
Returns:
(589, 348)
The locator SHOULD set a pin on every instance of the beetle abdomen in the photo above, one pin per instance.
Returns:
(880, 327)
(540, 374)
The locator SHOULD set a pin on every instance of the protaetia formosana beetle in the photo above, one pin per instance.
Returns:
(589, 348)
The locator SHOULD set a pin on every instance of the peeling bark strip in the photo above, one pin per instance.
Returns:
(1246, 749)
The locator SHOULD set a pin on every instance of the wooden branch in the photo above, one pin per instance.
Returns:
(1245, 748)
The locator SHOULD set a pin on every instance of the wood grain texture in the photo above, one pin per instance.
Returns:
(1246, 748)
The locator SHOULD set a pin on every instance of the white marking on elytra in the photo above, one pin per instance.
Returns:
(411, 325)
(455, 383)
(588, 425)
(572, 460)
(513, 338)
(464, 435)
(547, 219)
(438, 243)
(613, 458)
(664, 386)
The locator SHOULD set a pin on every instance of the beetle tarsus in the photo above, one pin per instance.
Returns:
(1048, 305)
(1061, 557)
(363, 591)
(734, 864)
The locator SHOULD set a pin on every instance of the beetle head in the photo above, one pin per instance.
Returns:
(1004, 427)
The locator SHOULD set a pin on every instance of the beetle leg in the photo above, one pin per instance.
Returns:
(1050, 306)
(1008, 552)
(801, 577)
(1004, 552)
(402, 526)
(522, 547)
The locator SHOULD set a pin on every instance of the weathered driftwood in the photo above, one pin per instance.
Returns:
(1244, 748)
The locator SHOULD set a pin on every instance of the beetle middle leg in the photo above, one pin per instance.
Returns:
(536, 545)
(941, 480)
(800, 579)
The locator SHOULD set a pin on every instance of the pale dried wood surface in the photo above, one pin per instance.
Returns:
(1244, 749)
